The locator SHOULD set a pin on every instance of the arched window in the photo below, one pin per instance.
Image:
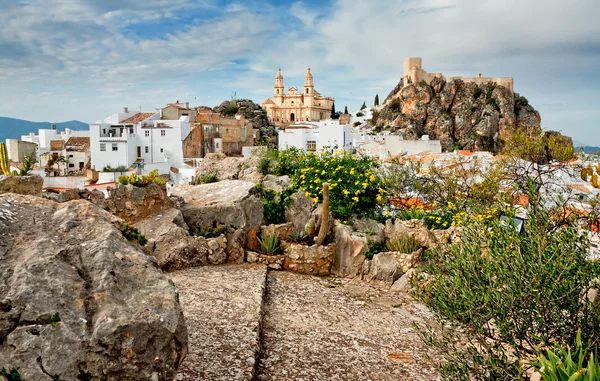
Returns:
(277, 91)
(292, 117)
(292, 102)
(307, 91)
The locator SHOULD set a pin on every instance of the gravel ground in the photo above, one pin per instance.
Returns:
(324, 329)
(222, 309)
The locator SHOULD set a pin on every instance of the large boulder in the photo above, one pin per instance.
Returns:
(133, 203)
(412, 228)
(298, 212)
(349, 251)
(79, 300)
(232, 205)
(384, 268)
(170, 242)
(226, 168)
(29, 185)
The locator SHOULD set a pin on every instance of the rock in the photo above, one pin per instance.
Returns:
(413, 228)
(276, 183)
(299, 211)
(283, 231)
(170, 242)
(313, 260)
(114, 315)
(97, 197)
(385, 268)
(27, 185)
(368, 226)
(403, 283)
(349, 248)
(227, 168)
(232, 204)
(68, 195)
(133, 203)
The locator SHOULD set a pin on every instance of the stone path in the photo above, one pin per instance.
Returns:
(312, 328)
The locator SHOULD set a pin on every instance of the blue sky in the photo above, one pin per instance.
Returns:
(86, 59)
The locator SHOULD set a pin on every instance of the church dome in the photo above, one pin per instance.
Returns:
(279, 76)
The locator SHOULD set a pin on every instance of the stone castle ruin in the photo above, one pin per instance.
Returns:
(414, 73)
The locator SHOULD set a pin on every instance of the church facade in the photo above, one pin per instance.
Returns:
(295, 106)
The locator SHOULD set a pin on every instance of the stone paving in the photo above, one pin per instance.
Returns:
(312, 328)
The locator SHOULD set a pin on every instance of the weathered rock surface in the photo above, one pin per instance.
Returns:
(223, 311)
(313, 260)
(170, 242)
(299, 212)
(350, 246)
(321, 329)
(254, 113)
(120, 317)
(412, 228)
(276, 183)
(385, 268)
(133, 203)
(473, 116)
(233, 204)
(226, 168)
(28, 185)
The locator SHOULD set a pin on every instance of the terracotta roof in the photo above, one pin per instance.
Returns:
(82, 144)
(57, 145)
(580, 187)
(465, 152)
(139, 117)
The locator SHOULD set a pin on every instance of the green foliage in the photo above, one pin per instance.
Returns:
(477, 91)
(150, 178)
(376, 101)
(364, 106)
(492, 102)
(274, 203)
(56, 377)
(507, 292)
(561, 364)
(333, 113)
(211, 233)
(359, 114)
(411, 214)
(403, 244)
(374, 247)
(131, 233)
(439, 219)
(12, 375)
(4, 163)
(269, 244)
(231, 110)
(345, 109)
(521, 102)
(120, 168)
(209, 177)
(298, 237)
(52, 320)
(537, 147)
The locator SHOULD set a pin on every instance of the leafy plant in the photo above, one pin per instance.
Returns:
(269, 243)
(477, 91)
(274, 203)
(231, 110)
(150, 178)
(561, 364)
(12, 375)
(120, 168)
(374, 247)
(403, 244)
(359, 114)
(298, 237)
(209, 177)
(132, 233)
(211, 233)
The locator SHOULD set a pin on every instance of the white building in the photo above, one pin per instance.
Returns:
(45, 136)
(313, 136)
(127, 137)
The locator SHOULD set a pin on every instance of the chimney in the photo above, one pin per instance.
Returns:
(125, 110)
(187, 104)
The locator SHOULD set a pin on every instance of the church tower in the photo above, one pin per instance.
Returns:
(278, 90)
(309, 89)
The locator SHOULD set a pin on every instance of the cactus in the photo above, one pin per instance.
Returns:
(584, 175)
(324, 216)
(4, 164)
(595, 181)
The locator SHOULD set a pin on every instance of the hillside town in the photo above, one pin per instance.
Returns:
(287, 241)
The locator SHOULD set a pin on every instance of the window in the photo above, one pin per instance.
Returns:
(131, 131)
(102, 146)
(306, 91)
(104, 131)
(71, 165)
(146, 149)
(70, 155)
(162, 133)
(146, 133)
(162, 150)
(115, 147)
(311, 145)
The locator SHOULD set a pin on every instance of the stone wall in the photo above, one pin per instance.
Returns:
(313, 260)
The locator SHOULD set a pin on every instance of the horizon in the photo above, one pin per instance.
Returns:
(84, 61)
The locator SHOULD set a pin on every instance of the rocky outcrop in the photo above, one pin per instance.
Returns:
(349, 257)
(254, 114)
(133, 203)
(412, 228)
(232, 205)
(170, 242)
(28, 185)
(78, 300)
(468, 115)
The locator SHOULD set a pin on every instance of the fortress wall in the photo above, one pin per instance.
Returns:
(506, 82)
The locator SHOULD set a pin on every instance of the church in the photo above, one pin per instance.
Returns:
(293, 107)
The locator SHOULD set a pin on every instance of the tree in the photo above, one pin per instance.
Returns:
(333, 114)
(364, 106)
(345, 109)
(376, 103)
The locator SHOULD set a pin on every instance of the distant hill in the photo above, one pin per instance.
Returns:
(13, 128)
(588, 149)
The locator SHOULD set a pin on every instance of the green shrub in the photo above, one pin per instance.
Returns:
(477, 92)
(211, 233)
(150, 178)
(521, 102)
(231, 110)
(403, 244)
(492, 102)
(374, 247)
(131, 233)
(532, 285)
(120, 168)
(359, 114)
(270, 244)
(209, 177)
(411, 214)
(12, 375)
(561, 364)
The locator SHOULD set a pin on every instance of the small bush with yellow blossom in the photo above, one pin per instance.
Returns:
(142, 181)
(354, 187)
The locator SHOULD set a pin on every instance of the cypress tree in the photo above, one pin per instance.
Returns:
(345, 109)
(333, 111)
(376, 103)
(364, 106)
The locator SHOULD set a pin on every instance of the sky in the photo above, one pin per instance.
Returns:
(86, 59)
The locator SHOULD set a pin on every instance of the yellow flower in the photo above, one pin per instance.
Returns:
(365, 185)
(323, 172)
(306, 194)
(355, 199)
(372, 178)
(381, 190)
(380, 199)
(346, 192)
(316, 199)
(387, 213)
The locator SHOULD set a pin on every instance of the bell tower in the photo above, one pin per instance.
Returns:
(278, 89)
(309, 89)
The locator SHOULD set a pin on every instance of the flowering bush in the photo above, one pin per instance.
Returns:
(142, 181)
(353, 183)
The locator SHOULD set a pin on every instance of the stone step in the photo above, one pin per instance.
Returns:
(223, 308)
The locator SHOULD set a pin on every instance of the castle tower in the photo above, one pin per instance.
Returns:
(278, 89)
(309, 89)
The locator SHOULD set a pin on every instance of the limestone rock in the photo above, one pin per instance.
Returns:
(403, 283)
(349, 248)
(276, 183)
(413, 228)
(227, 168)
(28, 185)
(385, 268)
(133, 203)
(314, 260)
(114, 314)
(299, 211)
